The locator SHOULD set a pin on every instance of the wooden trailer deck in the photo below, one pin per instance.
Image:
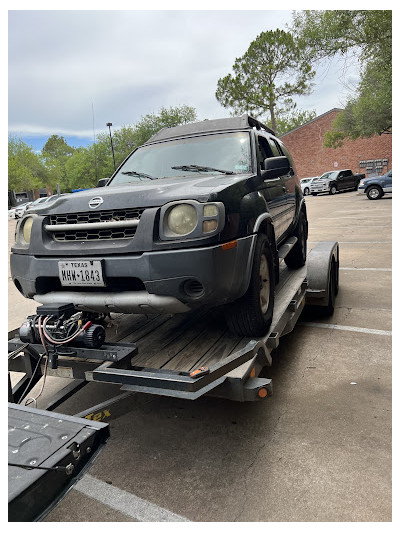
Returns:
(187, 341)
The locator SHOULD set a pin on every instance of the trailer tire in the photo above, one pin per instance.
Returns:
(297, 256)
(251, 315)
(333, 288)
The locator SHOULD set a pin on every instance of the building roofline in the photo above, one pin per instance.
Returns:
(310, 121)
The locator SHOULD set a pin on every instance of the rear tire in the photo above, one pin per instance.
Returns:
(374, 193)
(297, 256)
(251, 315)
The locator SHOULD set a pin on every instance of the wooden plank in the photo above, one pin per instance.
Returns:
(146, 329)
(122, 325)
(223, 347)
(213, 329)
(157, 349)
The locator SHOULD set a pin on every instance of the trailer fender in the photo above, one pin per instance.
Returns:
(322, 265)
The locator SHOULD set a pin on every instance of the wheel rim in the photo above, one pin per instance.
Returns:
(264, 284)
(306, 192)
(373, 193)
(333, 190)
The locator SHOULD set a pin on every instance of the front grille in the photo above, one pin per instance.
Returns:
(92, 233)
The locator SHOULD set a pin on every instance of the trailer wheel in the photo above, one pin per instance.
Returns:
(333, 288)
(297, 256)
(251, 315)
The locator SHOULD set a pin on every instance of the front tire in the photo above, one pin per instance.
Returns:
(333, 189)
(251, 315)
(374, 193)
(306, 191)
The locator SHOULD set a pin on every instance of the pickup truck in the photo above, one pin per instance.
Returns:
(376, 186)
(198, 216)
(335, 181)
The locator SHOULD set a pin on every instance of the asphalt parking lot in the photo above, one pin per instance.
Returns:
(318, 450)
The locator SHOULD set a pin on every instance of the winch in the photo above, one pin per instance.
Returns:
(61, 324)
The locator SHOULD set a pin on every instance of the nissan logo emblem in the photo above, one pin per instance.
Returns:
(95, 202)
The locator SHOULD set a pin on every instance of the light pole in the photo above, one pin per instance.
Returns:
(109, 124)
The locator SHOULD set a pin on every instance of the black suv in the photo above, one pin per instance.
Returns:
(194, 217)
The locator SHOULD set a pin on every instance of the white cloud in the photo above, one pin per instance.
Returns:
(128, 64)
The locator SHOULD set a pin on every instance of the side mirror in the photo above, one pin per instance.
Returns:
(103, 182)
(275, 167)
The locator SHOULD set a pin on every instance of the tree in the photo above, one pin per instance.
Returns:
(26, 170)
(267, 76)
(166, 118)
(292, 119)
(57, 147)
(56, 152)
(367, 35)
(87, 165)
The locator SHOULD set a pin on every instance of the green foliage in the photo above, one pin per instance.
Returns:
(81, 168)
(291, 120)
(368, 35)
(57, 148)
(166, 118)
(26, 170)
(267, 76)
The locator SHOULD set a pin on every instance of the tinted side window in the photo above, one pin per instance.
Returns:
(275, 147)
(263, 152)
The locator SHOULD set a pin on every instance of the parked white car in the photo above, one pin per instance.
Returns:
(305, 185)
(20, 209)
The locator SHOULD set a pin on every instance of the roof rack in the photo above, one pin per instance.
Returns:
(253, 122)
(205, 126)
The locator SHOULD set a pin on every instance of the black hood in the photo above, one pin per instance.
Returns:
(149, 193)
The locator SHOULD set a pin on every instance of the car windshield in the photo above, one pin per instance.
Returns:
(222, 153)
(326, 175)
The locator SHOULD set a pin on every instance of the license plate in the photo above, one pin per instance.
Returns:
(81, 273)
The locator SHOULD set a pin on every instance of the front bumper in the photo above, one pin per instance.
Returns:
(192, 277)
(322, 188)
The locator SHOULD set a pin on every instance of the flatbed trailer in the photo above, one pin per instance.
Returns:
(184, 356)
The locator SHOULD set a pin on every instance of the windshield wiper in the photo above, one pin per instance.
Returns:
(138, 174)
(198, 168)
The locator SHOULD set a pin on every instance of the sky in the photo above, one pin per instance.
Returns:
(72, 71)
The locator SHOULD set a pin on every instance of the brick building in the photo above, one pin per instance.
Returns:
(306, 144)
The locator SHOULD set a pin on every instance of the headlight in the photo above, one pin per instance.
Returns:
(25, 230)
(191, 219)
(182, 219)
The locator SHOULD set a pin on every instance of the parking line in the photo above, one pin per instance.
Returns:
(125, 502)
(346, 328)
(374, 269)
(356, 242)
